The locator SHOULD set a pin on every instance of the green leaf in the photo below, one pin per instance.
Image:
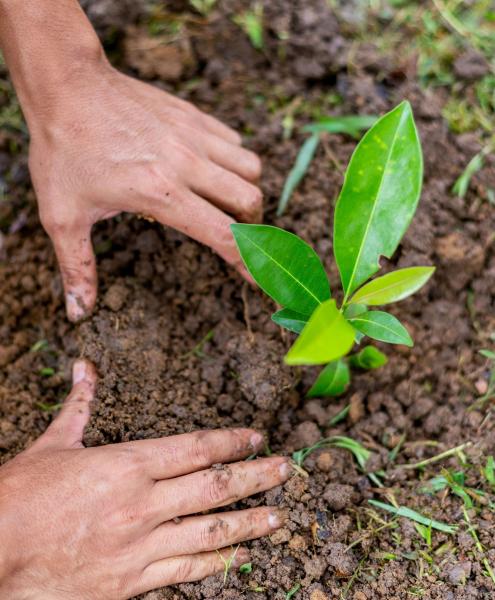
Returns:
(368, 358)
(290, 319)
(409, 513)
(461, 185)
(283, 265)
(350, 124)
(393, 287)
(332, 381)
(379, 196)
(298, 171)
(382, 326)
(326, 337)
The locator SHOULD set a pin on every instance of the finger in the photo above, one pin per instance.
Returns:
(182, 569)
(206, 533)
(202, 221)
(234, 158)
(221, 130)
(67, 429)
(228, 191)
(182, 454)
(215, 487)
(78, 268)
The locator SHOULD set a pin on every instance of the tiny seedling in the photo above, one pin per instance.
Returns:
(251, 22)
(377, 202)
(227, 562)
(293, 591)
(204, 7)
(246, 568)
(461, 186)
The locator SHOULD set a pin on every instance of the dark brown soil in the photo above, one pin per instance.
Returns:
(181, 343)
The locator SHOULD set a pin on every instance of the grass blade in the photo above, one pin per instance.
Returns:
(298, 171)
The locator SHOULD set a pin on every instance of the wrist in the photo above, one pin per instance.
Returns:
(50, 48)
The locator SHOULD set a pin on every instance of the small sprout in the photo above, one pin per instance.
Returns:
(246, 568)
(204, 7)
(293, 591)
(409, 513)
(47, 372)
(39, 346)
(489, 470)
(198, 348)
(298, 171)
(461, 186)
(340, 416)
(251, 22)
(227, 562)
(425, 532)
(48, 407)
(368, 358)
(378, 199)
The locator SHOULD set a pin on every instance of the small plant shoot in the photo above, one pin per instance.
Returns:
(377, 202)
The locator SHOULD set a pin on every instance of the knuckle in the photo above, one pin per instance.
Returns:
(214, 533)
(217, 488)
(184, 570)
(199, 452)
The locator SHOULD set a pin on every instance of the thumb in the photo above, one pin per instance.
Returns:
(67, 429)
(78, 268)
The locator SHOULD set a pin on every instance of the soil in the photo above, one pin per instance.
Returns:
(181, 343)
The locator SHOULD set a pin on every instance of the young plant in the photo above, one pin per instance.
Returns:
(376, 205)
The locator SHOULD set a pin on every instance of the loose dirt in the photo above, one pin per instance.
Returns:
(181, 343)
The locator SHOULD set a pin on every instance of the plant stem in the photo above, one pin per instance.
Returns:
(438, 457)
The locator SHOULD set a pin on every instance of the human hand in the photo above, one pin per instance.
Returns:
(115, 521)
(109, 143)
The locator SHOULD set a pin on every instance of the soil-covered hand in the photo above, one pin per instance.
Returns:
(112, 144)
(115, 521)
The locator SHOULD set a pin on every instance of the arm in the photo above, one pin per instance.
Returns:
(103, 143)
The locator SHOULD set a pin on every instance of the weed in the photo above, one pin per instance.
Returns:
(251, 22)
(246, 568)
(475, 164)
(204, 7)
(409, 513)
(293, 591)
(376, 204)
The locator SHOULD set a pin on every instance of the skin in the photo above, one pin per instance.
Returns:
(112, 522)
(115, 521)
(103, 143)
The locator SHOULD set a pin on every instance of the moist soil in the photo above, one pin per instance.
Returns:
(181, 343)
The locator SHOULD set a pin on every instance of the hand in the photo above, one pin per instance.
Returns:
(110, 143)
(114, 521)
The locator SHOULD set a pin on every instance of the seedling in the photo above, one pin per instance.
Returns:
(377, 202)
(293, 591)
(204, 7)
(227, 562)
(251, 22)
(246, 568)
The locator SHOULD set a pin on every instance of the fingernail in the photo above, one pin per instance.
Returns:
(285, 469)
(79, 371)
(241, 558)
(277, 518)
(75, 307)
(257, 440)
